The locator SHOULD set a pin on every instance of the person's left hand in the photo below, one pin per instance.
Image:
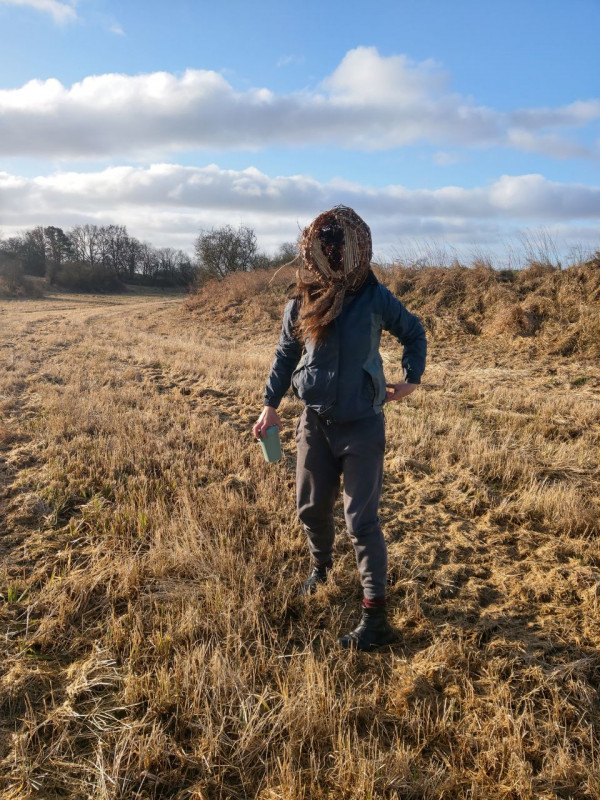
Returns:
(396, 391)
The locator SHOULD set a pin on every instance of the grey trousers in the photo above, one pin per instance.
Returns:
(354, 450)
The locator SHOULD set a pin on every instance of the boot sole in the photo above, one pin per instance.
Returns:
(353, 644)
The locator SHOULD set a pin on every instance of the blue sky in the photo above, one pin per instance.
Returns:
(462, 123)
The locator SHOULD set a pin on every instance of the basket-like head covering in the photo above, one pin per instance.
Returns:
(335, 256)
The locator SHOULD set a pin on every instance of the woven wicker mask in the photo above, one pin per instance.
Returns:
(335, 251)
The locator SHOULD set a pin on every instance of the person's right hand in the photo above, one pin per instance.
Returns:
(396, 391)
(268, 417)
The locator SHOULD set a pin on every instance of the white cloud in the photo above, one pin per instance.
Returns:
(114, 27)
(286, 61)
(549, 144)
(578, 113)
(169, 203)
(370, 102)
(61, 12)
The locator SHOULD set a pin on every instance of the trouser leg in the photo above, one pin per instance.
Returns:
(317, 485)
(362, 463)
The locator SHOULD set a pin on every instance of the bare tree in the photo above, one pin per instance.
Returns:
(287, 252)
(86, 243)
(58, 249)
(167, 262)
(132, 256)
(95, 255)
(148, 260)
(33, 252)
(221, 251)
(114, 248)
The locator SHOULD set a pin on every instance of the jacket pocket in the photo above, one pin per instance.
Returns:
(307, 385)
(375, 381)
(297, 375)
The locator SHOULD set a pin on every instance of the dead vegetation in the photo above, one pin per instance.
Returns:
(558, 308)
(13, 283)
(153, 643)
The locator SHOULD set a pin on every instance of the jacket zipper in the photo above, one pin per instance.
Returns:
(337, 371)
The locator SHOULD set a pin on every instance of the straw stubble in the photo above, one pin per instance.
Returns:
(154, 643)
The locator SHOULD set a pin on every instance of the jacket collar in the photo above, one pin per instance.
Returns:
(370, 280)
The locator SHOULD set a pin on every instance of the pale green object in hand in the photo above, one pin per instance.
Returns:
(270, 444)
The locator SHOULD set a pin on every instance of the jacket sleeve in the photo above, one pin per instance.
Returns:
(409, 331)
(287, 355)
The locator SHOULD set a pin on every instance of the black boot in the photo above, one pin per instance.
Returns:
(317, 576)
(372, 631)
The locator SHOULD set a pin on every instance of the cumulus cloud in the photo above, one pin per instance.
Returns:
(169, 203)
(60, 12)
(370, 102)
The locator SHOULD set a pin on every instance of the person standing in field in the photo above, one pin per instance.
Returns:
(329, 352)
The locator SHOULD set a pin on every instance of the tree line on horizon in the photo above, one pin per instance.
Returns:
(106, 257)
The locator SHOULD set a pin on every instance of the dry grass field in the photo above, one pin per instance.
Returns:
(153, 643)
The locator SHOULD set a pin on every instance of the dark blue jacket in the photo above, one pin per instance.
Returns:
(342, 378)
